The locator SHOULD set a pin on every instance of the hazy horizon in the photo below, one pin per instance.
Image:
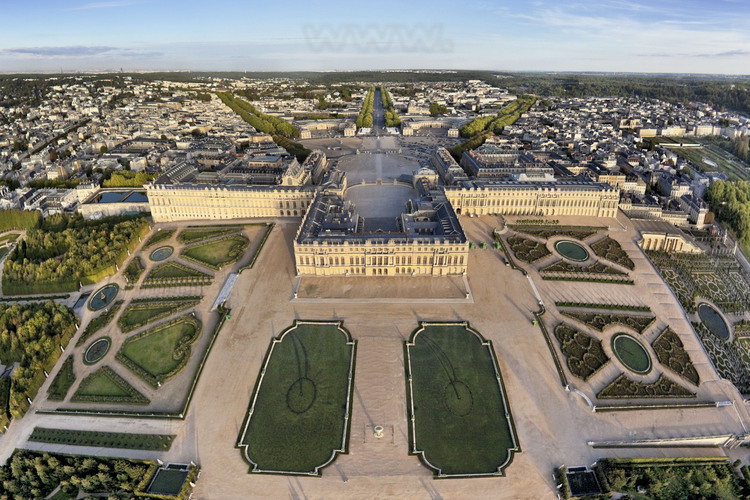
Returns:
(622, 36)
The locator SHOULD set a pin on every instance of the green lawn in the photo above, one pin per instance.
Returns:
(62, 382)
(218, 253)
(162, 351)
(9, 237)
(168, 482)
(159, 442)
(106, 386)
(136, 315)
(458, 402)
(158, 237)
(297, 414)
(193, 235)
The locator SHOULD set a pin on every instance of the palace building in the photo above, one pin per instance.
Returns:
(429, 240)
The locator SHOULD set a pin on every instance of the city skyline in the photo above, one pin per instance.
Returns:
(614, 36)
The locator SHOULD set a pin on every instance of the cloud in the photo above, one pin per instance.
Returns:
(78, 51)
(727, 53)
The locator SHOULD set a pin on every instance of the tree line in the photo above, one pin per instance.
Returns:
(31, 335)
(259, 121)
(294, 148)
(126, 178)
(730, 201)
(364, 120)
(33, 474)
(391, 117)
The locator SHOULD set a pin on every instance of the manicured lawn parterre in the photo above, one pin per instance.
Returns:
(173, 274)
(298, 415)
(217, 253)
(671, 353)
(64, 379)
(461, 423)
(139, 314)
(193, 235)
(158, 237)
(162, 351)
(106, 386)
(610, 249)
(100, 439)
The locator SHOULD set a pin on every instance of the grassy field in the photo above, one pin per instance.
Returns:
(136, 315)
(219, 252)
(9, 237)
(161, 351)
(193, 235)
(159, 442)
(62, 382)
(458, 404)
(299, 407)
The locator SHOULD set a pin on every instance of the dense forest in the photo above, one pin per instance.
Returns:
(31, 335)
(730, 201)
(33, 474)
(64, 250)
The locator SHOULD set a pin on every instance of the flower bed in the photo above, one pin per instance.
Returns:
(671, 353)
(584, 353)
(623, 387)
(600, 320)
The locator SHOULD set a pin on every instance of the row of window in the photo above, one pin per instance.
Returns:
(440, 260)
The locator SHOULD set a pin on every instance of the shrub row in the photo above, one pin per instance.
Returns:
(597, 268)
(159, 442)
(620, 307)
(64, 379)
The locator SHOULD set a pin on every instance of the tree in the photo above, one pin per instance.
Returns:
(103, 149)
(437, 109)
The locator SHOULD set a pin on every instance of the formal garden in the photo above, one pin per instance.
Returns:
(717, 278)
(99, 322)
(159, 236)
(546, 232)
(63, 381)
(161, 253)
(299, 412)
(571, 250)
(671, 353)
(596, 272)
(133, 271)
(610, 250)
(160, 352)
(624, 387)
(730, 359)
(461, 424)
(103, 296)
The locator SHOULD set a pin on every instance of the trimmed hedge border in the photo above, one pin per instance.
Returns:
(181, 353)
(603, 306)
(591, 280)
(101, 439)
(66, 368)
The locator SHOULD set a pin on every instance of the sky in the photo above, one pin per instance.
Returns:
(659, 36)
